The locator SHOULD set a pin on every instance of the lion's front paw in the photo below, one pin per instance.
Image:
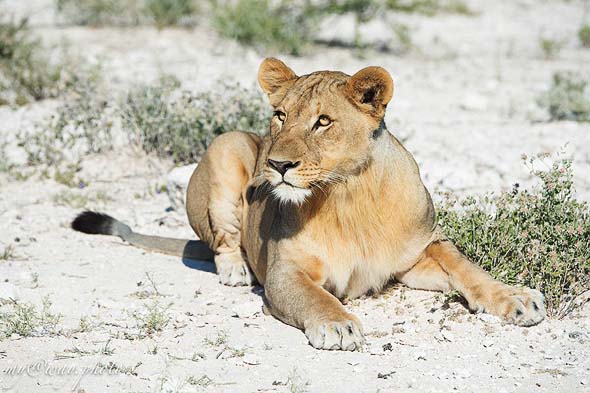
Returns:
(343, 334)
(232, 270)
(520, 306)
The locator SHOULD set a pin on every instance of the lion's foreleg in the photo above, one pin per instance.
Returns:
(295, 297)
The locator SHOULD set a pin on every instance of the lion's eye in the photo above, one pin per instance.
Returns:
(281, 116)
(324, 121)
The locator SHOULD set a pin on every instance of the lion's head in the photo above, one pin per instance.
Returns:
(324, 127)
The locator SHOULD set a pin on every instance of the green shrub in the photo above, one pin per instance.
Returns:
(538, 238)
(160, 118)
(584, 35)
(568, 98)
(25, 71)
(550, 47)
(284, 27)
(181, 124)
(82, 125)
(169, 12)
(152, 318)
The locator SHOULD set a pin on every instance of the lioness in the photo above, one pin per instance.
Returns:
(328, 205)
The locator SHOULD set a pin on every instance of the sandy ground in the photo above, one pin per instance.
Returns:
(465, 106)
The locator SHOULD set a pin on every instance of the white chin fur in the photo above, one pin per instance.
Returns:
(288, 194)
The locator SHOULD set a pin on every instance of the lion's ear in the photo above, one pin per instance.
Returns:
(274, 77)
(371, 87)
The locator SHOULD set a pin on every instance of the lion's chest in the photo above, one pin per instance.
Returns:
(365, 254)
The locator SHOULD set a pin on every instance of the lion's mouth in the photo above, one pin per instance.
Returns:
(288, 184)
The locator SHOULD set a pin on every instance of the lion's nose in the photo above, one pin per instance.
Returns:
(283, 166)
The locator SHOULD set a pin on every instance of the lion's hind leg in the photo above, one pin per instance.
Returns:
(215, 202)
(443, 267)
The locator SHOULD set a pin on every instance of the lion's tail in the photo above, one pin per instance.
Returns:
(102, 224)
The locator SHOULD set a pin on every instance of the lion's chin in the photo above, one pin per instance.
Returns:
(289, 194)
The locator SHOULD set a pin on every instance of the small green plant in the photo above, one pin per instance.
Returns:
(550, 47)
(584, 35)
(154, 318)
(281, 26)
(169, 12)
(220, 339)
(85, 325)
(76, 352)
(568, 98)
(8, 253)
(181, 126)
(204, 381)
(25, 320)
(296, 383)
(537, 238)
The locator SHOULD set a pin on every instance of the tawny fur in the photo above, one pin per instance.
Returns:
(349, 215)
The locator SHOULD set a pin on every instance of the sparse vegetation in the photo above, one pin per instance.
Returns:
(283, 26)
(288, 27)
(220, 342)
(150, 291)
(76, 352)
(170, 12)
(99, 12)
(84, 325)
(81, 126)
(114, 368)
(363, 12)
(367, 9)
(204, 381)
(96, 13)
(26, 73)
(8, 253)
(538, 238)
(72, 199)
(296, 383)
(220, 339)
(160, 118)
(584, 35)
(182, 125)
(154, 318)
(404, 37)
(568, 98)
(25, 320)
(550, 47)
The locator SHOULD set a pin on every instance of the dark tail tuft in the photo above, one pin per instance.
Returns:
(99, 224)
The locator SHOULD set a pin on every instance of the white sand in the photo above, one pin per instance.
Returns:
(465, 102)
